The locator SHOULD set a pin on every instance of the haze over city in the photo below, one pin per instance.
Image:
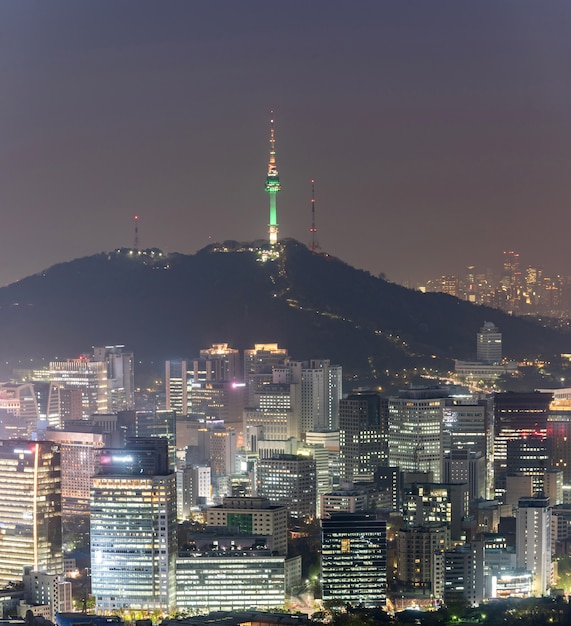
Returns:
(209, 414)
(438, 133)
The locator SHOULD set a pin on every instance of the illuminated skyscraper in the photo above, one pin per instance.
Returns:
(440, 503)
(272, 187)
(415, 430)
(533, 541)
(461, 573)
(79, 454)
(259, 363)
(30, 508)
(86, 375)
(274, 418)
(19, 411)
(216, 401)
(176, 383)
(363, 435)
(489, 344)
(289, 480)
(217, 363)
(516, 416)
(133, 528)
(320, 390)
(416, 546)
(354, 559)
(159, 424)
(120, 376)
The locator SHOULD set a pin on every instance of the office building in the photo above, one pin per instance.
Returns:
(133, 528)
(210, 401)
(259, 363)
(86, 375)
(64, 406)
(533, 541)
(233, 568)
(389, 481)
(553, 486)
(19, 413)
(354, 559)
(47, 590)
(488, 365)
(513, 584)
(516, 416)
(289, 480)
(559, 437)
(415, 430)
(218, 363)
(363, 435)
(459, 574)
(517, 486)
(255, 515)
(159, 424)
(465, 466)
(30, 508)
(222, 452)
(529, 456)
(320, 391)
(176, 385)
(436, 503)
(275, 416)
(489, 344)
(466, 426)
(234, 580)
(186, 492)
(120, 376)
(323, 467)
(416, 547)
(79, 463)
(347, 499)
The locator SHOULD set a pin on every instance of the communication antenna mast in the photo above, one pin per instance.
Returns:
(136, 241)
(273, 185)
(314, 245)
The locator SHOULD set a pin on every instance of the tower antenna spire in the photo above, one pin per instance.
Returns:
(136, 239)
(314, 245)
(272, 185)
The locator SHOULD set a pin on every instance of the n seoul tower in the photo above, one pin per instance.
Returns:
(273, 186)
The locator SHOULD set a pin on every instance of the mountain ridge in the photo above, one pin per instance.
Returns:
(315, 305)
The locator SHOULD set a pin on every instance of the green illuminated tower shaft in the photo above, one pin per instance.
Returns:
(273, 186)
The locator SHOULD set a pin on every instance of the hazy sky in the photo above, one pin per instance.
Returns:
(439, 133)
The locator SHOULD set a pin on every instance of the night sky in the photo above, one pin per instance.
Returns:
(439, 133)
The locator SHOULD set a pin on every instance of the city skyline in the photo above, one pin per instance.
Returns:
(433, 136)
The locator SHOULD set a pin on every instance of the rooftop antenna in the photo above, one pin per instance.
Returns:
(136, 242)
(314, 245)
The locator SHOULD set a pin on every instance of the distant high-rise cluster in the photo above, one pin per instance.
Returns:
(515, 289)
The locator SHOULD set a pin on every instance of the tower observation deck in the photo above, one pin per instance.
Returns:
(272, 186)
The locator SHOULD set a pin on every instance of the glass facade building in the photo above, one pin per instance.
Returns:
(30, 508)
(415, 431)
(354, 559)
(289, 480)
(232, 581)
(90, 377)
(133, 531)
